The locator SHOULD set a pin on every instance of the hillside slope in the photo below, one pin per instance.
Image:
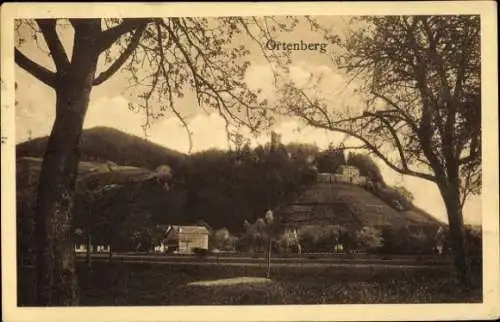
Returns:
(345, 204)
(91, 175)
(101, 144)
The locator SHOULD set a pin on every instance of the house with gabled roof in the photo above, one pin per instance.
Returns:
(185, 239)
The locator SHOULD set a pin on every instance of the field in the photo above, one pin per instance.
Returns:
(147, 284)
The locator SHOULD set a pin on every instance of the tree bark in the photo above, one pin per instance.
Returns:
(451, 197)
(89, 234)
(89, 245)
(56, 279)
(55, 262)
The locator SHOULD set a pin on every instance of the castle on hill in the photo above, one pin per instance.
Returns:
(345, 174)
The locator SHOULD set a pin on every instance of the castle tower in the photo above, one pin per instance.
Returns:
(275, 140)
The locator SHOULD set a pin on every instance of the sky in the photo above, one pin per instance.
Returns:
(109, 107)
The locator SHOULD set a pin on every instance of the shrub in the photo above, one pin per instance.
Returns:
(405, 240)
(318, 237)
(222, 239)
(394, 197)
(368, 239)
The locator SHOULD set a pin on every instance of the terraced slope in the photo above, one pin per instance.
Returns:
(344, 204)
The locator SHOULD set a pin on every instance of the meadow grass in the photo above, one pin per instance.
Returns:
(111, 284)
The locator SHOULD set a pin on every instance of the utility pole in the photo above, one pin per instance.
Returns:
(268, 274)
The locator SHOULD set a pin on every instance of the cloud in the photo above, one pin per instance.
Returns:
(317, 81)
(300, 75)
(323, 69)
(208, 131)
(261, 77)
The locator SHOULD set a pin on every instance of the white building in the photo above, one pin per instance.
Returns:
(345, 174)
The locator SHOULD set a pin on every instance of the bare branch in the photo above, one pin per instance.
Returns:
(48, 29)
(39, 72)
(184, 53)
(115, 66)
(438, 62)
(170, 96)
(400, 110)
(424, 134)
(371, 147)
(109, 36)
(394, 137)
(200, 81)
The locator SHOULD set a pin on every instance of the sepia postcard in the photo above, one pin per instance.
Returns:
(254, 161)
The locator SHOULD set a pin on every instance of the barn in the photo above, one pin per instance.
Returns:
(184, 239)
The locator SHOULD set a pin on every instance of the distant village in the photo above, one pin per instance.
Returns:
(177, 240)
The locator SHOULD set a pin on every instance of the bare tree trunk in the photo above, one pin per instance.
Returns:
(89, 245)
(56, 279)
(89, 235)
(55, 257)
(451, 198)
(268, 274)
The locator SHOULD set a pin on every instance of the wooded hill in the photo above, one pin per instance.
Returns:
(102, 144)
(219, 188)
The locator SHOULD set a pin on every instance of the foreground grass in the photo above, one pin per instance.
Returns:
(148, 284)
